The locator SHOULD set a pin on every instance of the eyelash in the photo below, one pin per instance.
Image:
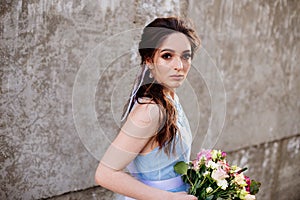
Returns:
(187, 56)
(167, 56)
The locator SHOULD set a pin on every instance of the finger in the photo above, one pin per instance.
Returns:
(192, 197)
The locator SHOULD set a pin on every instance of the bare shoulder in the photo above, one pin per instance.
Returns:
(146, 111)
(144, 120)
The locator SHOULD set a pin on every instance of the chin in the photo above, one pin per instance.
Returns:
(175, 86)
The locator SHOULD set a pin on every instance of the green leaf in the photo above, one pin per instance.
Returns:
(209, 197)
(181, 168)
(202, 169)
(202, 195)
(254, 187)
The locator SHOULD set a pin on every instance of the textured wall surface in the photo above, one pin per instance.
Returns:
(65, 62)
(43, 45)
(255, 44)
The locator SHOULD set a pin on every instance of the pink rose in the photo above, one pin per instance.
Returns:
(196, 164)
(223, 154)
(248, 181)
(224, 166)
(204, 153)
(219, 174)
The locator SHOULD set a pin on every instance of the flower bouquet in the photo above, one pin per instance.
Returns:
(212, 178)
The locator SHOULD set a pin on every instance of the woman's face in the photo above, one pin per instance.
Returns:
(172, 61)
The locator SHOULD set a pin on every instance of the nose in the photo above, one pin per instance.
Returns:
(178, 63)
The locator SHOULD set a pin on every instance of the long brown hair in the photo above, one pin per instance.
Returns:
(153, 35)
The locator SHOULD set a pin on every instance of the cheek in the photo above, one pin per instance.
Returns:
(161, 63)
(162, 67)
(187, 67)
(162, 71)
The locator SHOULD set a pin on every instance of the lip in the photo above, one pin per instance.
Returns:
(177, 76)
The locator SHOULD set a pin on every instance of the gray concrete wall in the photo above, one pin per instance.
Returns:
(67, 66)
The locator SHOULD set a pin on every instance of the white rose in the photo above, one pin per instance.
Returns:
(249, 197)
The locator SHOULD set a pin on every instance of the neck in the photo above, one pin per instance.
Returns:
(171, 93)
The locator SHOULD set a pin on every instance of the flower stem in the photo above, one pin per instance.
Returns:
(215, 190)
(202, 182)
(192, 185)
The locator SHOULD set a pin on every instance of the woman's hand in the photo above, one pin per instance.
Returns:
(182, 196)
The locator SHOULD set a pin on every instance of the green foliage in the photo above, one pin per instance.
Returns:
(181, 168)
(254, 187)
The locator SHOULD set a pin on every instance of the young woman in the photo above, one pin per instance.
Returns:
(155, 133)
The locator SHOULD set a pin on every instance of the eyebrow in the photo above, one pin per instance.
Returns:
(171, 50)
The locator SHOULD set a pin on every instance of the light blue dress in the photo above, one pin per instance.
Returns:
(157, 165)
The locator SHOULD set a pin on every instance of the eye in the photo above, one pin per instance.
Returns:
(186, 56)
(166, 56)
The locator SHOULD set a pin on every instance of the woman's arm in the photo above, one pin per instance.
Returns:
(141, 125)
(122, 183)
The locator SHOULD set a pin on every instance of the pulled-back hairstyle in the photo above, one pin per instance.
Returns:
(153, 36)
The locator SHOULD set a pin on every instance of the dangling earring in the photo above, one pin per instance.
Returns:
(150, 74)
